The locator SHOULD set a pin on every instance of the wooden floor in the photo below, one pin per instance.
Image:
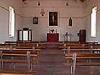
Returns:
(51, 62)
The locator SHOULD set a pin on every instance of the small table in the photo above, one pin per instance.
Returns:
(52, 37)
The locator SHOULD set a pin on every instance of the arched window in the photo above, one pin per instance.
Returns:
(11, 22)
(93, 22)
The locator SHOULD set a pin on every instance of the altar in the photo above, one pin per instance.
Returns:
(52, 37)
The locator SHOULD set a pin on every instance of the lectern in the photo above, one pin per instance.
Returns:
(82, 36)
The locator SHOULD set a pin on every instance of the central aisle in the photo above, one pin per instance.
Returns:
(52, 61)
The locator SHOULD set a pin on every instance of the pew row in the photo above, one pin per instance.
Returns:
(82, 51)
(19, 56)
(77, 59)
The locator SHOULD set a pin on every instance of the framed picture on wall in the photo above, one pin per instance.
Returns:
(53, 19)
(35, 20)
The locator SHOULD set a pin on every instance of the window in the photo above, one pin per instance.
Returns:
(93, 22)
(11, 22)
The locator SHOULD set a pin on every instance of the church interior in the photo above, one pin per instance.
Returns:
(49, 37)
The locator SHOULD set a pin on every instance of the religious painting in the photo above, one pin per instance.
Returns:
(53, 19)
(35, 20)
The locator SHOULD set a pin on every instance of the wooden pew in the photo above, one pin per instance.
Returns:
(10, 42)
(30, 45)
(74, 46)
(18, 73)
(82, 51)
(80, 46)
(26, 56)
(76, 59)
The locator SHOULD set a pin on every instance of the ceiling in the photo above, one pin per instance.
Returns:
(74, 0)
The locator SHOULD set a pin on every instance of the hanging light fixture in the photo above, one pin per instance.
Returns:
(82, 0)
(38, 3)
(24, 1)
(67, 4)
(42, 12)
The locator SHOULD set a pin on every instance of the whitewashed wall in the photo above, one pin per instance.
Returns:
(4, 18)
(76, 10)
(24, 18)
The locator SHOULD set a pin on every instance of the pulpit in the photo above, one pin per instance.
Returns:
(52, 37)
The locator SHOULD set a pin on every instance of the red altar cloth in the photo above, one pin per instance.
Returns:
(52, 37)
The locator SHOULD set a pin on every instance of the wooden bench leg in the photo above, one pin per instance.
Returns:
(31, 67)
(71, 69)
(14, 67)
(29, 61)
(1, 63)
(74, 64)
(13, 64)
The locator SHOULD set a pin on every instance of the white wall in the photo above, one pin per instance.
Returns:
(4, 18)
(79, 12)
(76, 10)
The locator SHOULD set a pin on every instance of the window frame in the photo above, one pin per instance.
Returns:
(11, 22)
(93, 21)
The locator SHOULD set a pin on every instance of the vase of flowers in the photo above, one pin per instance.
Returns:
(52, 30)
